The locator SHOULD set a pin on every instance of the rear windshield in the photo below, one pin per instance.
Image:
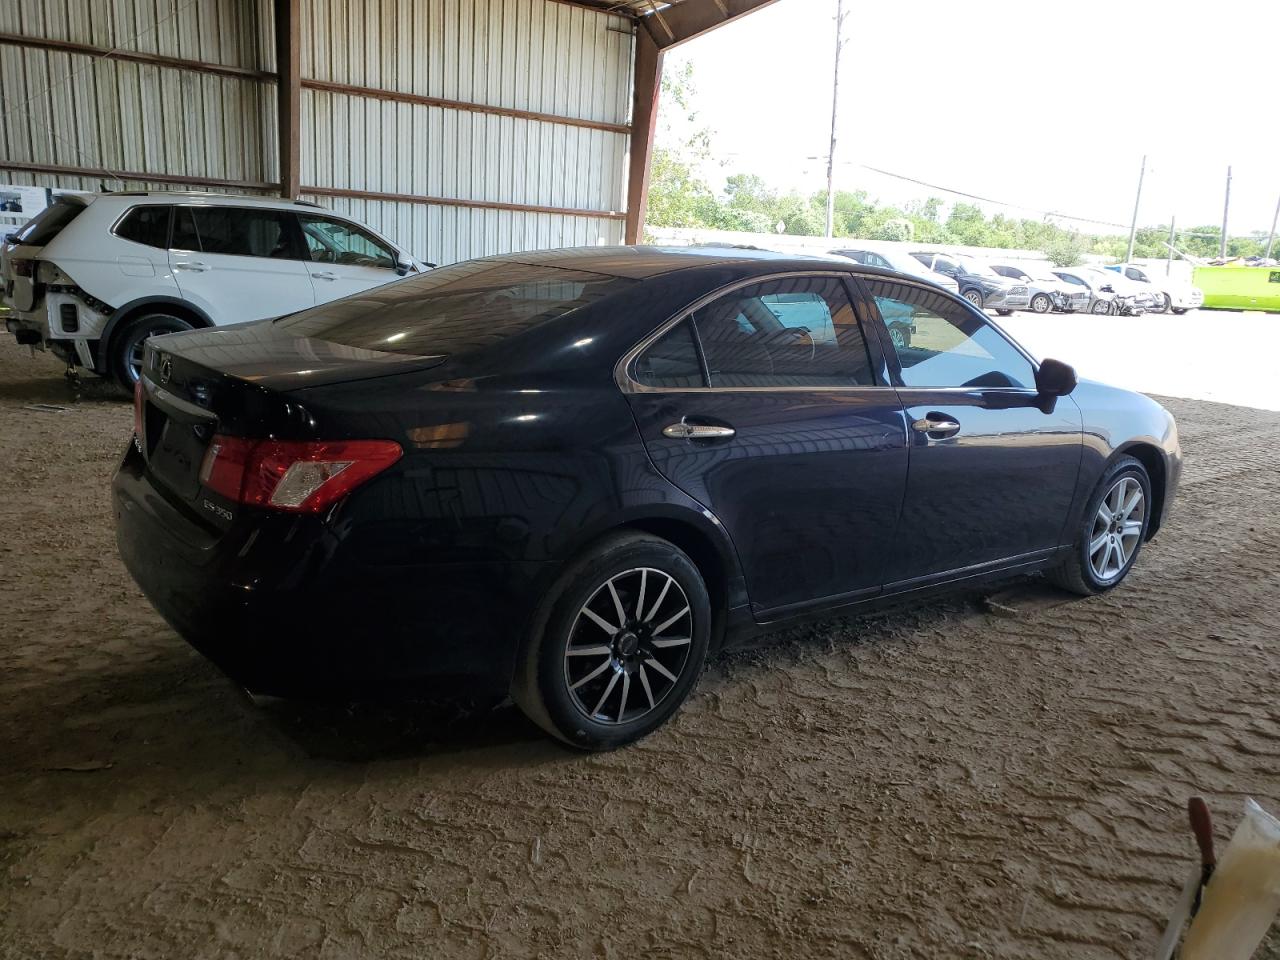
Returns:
(454, 309)
(48, 223)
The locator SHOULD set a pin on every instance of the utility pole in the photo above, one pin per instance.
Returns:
(835, 105)
(1226, 208)
(1272, 237)
(1168, 264)
(1133, 226)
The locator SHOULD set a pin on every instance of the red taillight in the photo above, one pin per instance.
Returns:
(299, 476)
(137, 409)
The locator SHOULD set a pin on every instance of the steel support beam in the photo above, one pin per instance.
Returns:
(289, 95)
(656, 33)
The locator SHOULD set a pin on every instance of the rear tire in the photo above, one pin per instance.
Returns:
(1085, 570)
(1166, 304)
(126, 350)
(1179, 311)
(597, 680)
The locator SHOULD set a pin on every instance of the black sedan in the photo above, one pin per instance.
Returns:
(570, 475)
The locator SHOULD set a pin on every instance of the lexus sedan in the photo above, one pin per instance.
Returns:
(569, 476)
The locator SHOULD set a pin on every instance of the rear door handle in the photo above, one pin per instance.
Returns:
(936, 423)
(684, 430)
(325, 275)
(195, 265)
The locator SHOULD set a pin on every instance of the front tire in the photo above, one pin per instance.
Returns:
(1179, 311)
(974, 297)
(127, 345)
(1040, 303)
(1100, 307)
(1110, 535)
(1166, 304)
(618, 644)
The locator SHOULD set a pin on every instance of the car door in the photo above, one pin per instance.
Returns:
(239, 263)
(992, 464)
(345, 258)
(763, 404)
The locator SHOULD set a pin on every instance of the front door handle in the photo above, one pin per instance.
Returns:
(684, 430)
(195, 265)
(936, 424)
(325, 275)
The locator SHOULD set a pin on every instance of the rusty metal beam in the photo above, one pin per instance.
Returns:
(457, 202)
(135, 56)
(399, 97)
(644, 121)
(102, 173)
(682, 22)
(288, 19)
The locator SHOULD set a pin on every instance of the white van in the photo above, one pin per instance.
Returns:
(94, 275)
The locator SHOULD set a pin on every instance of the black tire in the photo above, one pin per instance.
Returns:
(1100, 307)
(542, 687)
(1076, 573)
(1166, 304)
(124, 354)
(1003, 313)
(1041, 303)
(974, 296)
(1179, 311)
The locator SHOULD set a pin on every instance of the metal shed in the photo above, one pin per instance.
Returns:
(460, 127)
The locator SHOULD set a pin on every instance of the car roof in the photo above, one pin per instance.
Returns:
(174, 196)
(643, 262)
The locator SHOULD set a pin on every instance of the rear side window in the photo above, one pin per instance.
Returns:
(672, 361)
(50, 222)
(236, 232)
(148, 225)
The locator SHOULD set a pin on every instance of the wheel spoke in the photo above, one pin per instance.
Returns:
(662, 643)
(613, 682)
(658, 603)
(644, 576)
(644, 682)
(602, 651)
(1131, 504)
(599, 621)
(1104, 514)
(617, 603)
(592, 675)
(1098, 542)
(661, 669)
(669, 621)
(1131, 528)
(626, 686)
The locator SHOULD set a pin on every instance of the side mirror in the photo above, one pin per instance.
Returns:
(403, 267)
(1107, 288)
(1055, 378)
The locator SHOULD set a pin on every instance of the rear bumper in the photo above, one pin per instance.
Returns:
(299, 606)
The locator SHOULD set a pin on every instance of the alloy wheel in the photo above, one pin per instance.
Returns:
(1101, 307)
(628, 646)
(1117, 529)
(898, 338)
(1040, 303)
(974, 297)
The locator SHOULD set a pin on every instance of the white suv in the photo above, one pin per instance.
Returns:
(94, 275)
(1169, 292)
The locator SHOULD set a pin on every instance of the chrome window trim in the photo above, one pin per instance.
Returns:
(627, 384)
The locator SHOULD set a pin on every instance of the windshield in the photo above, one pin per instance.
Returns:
(976, 267)
(462, 307)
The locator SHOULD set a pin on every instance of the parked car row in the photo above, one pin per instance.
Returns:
(94, 275)
(1005, 286)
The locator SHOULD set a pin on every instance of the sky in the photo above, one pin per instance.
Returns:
(1047, 106)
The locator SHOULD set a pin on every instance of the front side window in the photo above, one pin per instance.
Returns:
(148, 225)
(234, 232)
(950, 346)
(333, 241)
(671, 361)
(795, 332)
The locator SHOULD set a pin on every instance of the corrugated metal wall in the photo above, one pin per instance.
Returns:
(76, 110)
(523, 55)
(519, 56)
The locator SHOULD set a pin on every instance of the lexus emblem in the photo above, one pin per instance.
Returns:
(166, 370)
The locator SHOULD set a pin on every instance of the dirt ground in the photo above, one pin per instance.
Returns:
(948, 780)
